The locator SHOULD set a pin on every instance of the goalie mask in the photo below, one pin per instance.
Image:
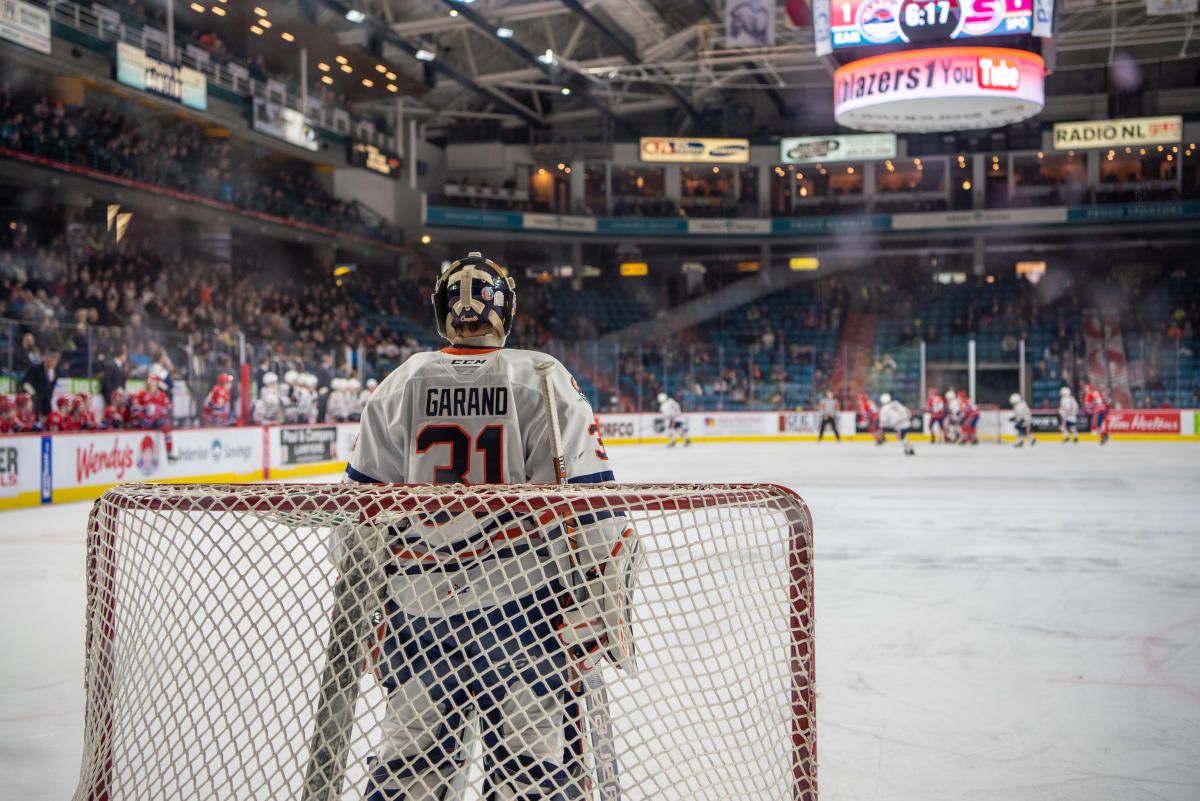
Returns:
(473, 290)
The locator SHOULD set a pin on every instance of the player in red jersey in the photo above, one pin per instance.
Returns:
(868, 414)
(24, 417)
(1096, 408)
(151, 408)
(970, 419)
(6, 414)
(82, 416)
(59, 418)
(935, 405)
(116, 413)
(218, 407)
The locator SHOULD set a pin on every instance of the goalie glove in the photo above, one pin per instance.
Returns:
(597, 623)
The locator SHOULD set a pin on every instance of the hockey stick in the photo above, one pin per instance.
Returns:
(595, 691)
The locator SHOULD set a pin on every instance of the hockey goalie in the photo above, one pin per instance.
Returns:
(494, 622)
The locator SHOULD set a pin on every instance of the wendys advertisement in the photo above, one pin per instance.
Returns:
(83, 461)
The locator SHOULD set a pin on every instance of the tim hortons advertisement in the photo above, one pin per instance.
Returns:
(308, 444)
(1144, 421)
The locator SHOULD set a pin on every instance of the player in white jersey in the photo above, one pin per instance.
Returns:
(1022, 420)
(673, 420)
(1068, 415)
(268, 408)
(337, 403)
(895, 416)
(357, 396)
(482, 620)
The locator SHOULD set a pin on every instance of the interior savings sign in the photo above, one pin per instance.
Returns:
(941, 89)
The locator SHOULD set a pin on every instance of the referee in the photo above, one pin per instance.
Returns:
(829, 408)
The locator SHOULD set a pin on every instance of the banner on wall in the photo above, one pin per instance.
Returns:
(25, 24)
(678, 149)
(832, 149)
(284, 123)
(10, 469)
(750, 23)
(1118, 133)
(308, 444)
(181, 84)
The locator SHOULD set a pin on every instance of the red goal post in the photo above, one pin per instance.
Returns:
(228, 626)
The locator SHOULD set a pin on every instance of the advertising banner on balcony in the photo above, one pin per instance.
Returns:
(181, 84)
(284, 123)
(1118, 133)
(25, 24)
(831, 149)
(680, 149)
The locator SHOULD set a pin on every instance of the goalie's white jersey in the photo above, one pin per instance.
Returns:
(475, 416)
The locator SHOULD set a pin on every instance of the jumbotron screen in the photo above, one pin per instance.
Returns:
(869, 23)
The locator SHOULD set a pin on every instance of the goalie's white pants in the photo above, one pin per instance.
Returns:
(503, 666)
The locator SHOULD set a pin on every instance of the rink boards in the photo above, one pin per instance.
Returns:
(64, 467)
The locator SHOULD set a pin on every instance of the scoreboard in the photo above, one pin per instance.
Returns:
(871, 23)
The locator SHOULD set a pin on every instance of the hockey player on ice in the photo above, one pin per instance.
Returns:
(1022, 420)
(1096, 408)
(895, 416)
(968, 414)
(474, 413)
(935, 407)
(954, 417)
(1068, 415)
(673, 419)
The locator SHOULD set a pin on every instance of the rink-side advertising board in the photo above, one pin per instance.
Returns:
(20, 470)
(309, 450)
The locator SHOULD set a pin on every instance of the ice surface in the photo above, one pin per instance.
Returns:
(992, 623)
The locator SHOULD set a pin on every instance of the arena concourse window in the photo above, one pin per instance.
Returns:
(641, 192)
(1049, 179)
(1134, 174)
(595, 187)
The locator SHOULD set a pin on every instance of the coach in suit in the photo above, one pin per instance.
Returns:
(40, 378)
(114, 374)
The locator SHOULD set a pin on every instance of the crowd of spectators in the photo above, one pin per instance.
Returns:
(176, 154)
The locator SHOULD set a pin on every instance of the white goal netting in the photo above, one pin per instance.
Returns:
(263, 642)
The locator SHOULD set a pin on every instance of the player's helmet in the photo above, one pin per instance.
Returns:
(290, 377)
(474, 289)
(63, 402)
(950, 394)
(353, 384)
(117, 396)
(1065, 391)
(310, 380)
(372, 383)
(269, 379)
(338, 385)
(962, 395)
(662, 397)
(23, 400)
(224, 379)
(1014, 399)
(5, 403)
(885, 398)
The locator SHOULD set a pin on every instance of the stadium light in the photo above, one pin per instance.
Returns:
(355, 16)
(504, 33)
(199, 9)
(220, 12)
(260, 11)
(266, 23)
(546, 58)
(803, 263)
(566, 90)
(425, 55)
(257, 31)
(393, 88)
(287, 37)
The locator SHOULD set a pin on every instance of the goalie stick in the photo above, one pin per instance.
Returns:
(595, 691)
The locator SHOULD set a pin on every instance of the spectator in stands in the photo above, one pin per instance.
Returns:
(40, 378)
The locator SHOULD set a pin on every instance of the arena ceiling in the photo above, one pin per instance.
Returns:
(663, 66)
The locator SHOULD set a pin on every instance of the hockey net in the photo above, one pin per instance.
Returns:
(230, 632)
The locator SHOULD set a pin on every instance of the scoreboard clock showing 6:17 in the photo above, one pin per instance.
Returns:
(870, 23)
